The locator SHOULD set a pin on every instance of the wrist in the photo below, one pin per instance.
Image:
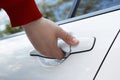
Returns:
(33, 24)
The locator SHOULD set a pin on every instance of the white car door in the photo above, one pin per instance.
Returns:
(17, 64)
(110, 69)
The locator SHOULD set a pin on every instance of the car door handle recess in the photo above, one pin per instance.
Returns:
(85, 44)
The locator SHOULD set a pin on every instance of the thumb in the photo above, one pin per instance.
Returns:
(69, 39)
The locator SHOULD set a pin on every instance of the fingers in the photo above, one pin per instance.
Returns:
(59, 53)
(69, 39)
(56, 51)
(52, 51)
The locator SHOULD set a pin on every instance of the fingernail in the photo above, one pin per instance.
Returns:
(74, 40)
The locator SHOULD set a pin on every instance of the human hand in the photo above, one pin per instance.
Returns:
(44, 34)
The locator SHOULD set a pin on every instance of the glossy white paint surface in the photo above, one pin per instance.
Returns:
(85, 43)
(16, 64)
(110, 70)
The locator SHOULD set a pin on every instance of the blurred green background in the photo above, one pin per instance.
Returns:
(56, 10)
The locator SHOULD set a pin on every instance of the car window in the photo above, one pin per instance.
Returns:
(57, 10)
(87, 6)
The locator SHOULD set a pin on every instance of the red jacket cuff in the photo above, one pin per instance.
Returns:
(23, 13)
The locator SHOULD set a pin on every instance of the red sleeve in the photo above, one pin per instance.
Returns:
(21, 11)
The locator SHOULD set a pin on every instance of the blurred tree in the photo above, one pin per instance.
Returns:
(87, 6)
(10, 30)
(1, 34)
(48, 9)
(90, 7)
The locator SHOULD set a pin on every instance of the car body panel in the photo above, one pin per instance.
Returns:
(17, 64)
(110, 69)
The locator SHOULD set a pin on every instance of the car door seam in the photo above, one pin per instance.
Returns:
(106, 55)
